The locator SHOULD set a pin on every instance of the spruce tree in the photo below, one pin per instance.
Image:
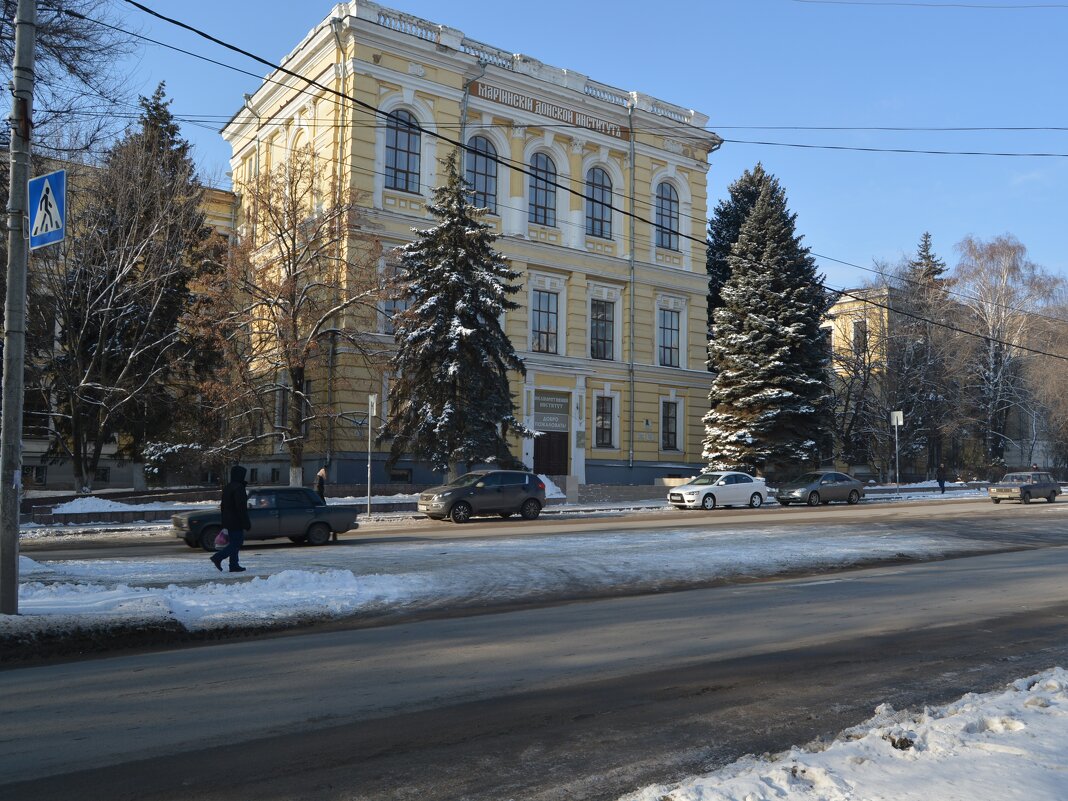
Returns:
(723, 229)
(926, 267)
(451, 403)
(769, 397)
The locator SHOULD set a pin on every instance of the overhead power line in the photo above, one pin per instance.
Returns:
(522, 168)
(980, 6)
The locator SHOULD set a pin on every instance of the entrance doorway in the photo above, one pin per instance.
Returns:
(550, 453)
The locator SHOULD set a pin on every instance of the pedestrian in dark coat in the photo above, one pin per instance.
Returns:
(320, 483)
(234, 509)
(940, 477)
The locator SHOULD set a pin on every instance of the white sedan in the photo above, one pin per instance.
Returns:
(709, 490)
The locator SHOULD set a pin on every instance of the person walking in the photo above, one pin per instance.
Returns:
(320, 483)
(940, 477)
(234, 509)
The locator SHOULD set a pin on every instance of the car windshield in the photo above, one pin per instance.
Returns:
(1017, 478)
(706, 478)
(807, 478)
(467, 480)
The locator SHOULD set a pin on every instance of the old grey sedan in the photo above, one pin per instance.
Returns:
(821, 487)
(1023, 487)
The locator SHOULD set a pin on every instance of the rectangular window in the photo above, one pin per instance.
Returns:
(390, 308)
(102, 475)
(668, 324)
(276, 475)
(253, 475)
(543, 321)
(604, 435)
(282, 416)
(669, 425)
(602, 329)
(860, 337)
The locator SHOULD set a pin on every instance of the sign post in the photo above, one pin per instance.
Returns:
(897, 419)
(22, 86)
(372, 412)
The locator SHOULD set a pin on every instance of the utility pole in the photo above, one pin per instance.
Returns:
(15, 309)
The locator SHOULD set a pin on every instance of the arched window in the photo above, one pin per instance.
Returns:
(598, 203)
(542, 202)
(402, 152)
(481, 172)
(667, 217)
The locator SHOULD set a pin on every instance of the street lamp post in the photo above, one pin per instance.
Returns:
(897, 419)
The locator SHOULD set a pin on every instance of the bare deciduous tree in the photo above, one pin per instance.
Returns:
(997, 289)
(118, 289)
(301, 288)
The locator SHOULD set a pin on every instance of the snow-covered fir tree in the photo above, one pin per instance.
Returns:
(451, 403)
(724, 227)
(770, 394)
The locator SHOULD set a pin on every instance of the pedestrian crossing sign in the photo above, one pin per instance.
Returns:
(47, 210)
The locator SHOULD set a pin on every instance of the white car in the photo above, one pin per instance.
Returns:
(709, 490)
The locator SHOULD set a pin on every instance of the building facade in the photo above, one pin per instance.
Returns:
(598, 194)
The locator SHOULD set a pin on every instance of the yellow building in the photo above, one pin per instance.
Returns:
(611, 323)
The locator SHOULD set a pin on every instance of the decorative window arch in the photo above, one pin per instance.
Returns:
(481, 172)
(667, 216)
(598, 203)
(541, 206)
(403, 151)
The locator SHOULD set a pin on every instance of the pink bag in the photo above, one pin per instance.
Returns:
(222, 539)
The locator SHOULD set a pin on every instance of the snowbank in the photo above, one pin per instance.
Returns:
(996, 745)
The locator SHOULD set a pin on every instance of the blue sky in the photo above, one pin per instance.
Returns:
(750, 63)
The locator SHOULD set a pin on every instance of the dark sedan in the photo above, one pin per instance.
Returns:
(293, 512)
(821, 487)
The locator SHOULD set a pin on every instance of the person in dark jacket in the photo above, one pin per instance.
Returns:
(940, 477)
(234, 509)
(320, 483)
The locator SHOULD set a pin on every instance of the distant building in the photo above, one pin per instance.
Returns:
(611, 323)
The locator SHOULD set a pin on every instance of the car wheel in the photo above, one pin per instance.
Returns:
(207, 537)
(755, 501)
(319, 534)
(784, 503)
(854, 497)
(298, 540)
(708, 502)
(460, 512)
(1025, 498)
(530, 509)
(813, 498)
(505, 515)
(996, 500)
(1052, 497)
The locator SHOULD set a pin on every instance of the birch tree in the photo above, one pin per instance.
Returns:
(998, 289)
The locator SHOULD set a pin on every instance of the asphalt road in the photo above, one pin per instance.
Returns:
(1015, 524)
(581, 700)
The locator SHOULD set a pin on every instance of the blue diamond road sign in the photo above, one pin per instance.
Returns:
(48, 207)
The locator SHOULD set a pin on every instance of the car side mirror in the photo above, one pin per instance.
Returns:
(480, 484)
(825, 481)
(721, 483)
